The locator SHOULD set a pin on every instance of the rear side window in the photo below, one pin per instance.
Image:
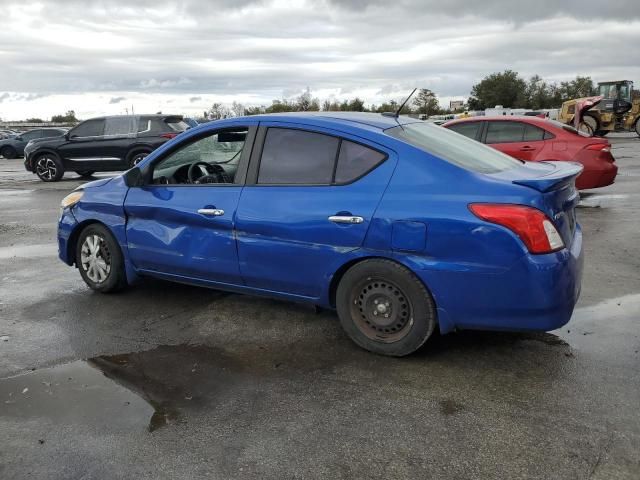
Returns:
(119, 126)
(453, 148)
(468, 129)
(504, 132)
(355, 161)
(90, 128)
(532, 133)
(297, 157)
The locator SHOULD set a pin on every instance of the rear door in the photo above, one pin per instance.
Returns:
(308, 202)
(518, 139)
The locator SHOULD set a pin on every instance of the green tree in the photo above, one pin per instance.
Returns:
(306, 103)
(506, 89)
(69, 117)
(34, 120)
(539, 94)
(427, 102)
(577, 88)
(219, 111)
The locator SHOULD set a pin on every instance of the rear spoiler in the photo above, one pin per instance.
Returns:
(563, 173)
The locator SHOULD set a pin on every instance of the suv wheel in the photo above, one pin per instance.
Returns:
(385, 308)
(8, 152)
(136, 158)
(49, 168)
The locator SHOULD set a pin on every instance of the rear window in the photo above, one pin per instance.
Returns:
(569, 128)
(157, 125)
(453, 148)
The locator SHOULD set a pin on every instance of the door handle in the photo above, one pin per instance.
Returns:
(527, 149)
(345, 219)
(211, 212)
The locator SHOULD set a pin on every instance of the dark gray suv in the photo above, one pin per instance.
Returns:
(13, 147)
(101, 144)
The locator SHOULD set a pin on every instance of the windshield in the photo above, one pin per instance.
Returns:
(454, 148)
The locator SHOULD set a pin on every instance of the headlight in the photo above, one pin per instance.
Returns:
(71, 199)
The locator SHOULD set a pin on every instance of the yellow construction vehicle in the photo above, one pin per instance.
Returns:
(613, 110)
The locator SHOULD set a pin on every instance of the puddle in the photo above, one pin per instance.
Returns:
(31, 251)
(142, 390)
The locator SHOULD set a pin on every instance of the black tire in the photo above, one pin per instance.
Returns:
(8, 152)
(636, 127)
(136, 157)
(592, 121)
(48, 167)
(86, 173)
(384, 308)
(99, 259)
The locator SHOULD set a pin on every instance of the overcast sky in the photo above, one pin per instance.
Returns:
(180, 56)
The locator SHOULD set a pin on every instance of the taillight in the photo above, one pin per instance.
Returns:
(169, 135)
(533, 227)
(600, 147)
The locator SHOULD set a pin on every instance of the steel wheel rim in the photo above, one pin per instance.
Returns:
(46, 168)
(95, 258)
(381, 310)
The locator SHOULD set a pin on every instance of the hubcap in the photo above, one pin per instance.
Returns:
(95, 258)
(46, 168)
(381, 310)
(138, 158)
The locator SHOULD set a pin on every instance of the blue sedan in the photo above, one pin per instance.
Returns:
(401, 226)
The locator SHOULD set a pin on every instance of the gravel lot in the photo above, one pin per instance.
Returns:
(170, 381)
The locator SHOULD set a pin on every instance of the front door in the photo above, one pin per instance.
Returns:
(308, 203)
(181, 223)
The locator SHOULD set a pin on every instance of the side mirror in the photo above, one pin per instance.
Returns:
(133, 177)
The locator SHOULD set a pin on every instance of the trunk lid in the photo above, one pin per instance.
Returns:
(556, 183)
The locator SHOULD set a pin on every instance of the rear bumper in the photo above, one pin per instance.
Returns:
(538, 293)
(595, 178)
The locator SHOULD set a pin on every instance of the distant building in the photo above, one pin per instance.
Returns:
(456, 105)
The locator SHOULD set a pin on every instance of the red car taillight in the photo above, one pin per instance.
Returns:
(169, 135)
(533, 227)
(600, 147)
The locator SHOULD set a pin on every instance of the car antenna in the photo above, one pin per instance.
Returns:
(396, 114)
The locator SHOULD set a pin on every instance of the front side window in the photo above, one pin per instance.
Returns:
(453, 148)
(119, 126)
(52, 133)
(468, 129)
(31, 135)
(297, 157)
(90, 128)
(212, 159)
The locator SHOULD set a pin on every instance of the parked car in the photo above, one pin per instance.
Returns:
(101, 144)
(14, 146)
(402, 226)
(536, 139)
(7, 134)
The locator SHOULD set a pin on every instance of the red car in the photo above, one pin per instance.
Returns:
(537, 139)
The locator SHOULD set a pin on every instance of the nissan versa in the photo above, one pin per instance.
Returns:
(401, 226)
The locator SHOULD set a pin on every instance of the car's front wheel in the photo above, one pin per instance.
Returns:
(8, 152)
(99, 259)
(49, 168)
(136, 158)
(385, 308)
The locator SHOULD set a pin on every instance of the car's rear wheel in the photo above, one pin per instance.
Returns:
(637, 126)
(136, 157)
(385, 308)
(8, 152)
(99, 259)
(86, 173)
(49, 168)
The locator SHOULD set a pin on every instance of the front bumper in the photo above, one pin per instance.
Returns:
(538, 293)
(66, 225)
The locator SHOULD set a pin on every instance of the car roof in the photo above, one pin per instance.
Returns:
(520, 118)
(376, 120)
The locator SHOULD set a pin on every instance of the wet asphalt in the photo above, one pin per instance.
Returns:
(172, 381)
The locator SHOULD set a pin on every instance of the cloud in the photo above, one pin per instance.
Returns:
(195, 99)
(265, 49)
(4, 96)
(114, 100)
